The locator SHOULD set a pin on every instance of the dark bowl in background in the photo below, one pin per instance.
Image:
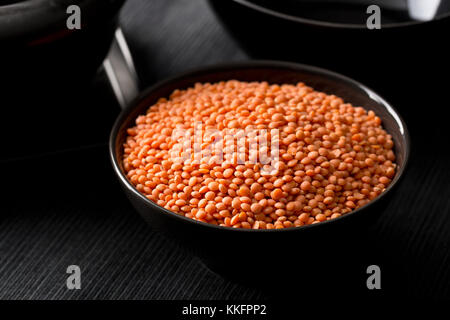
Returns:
(239, 252)
(39, 55)
(398, 60)
(47, 71)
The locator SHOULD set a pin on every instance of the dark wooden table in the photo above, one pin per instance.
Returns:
(64, 207)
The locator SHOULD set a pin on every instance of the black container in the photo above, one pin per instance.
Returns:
(46, 73)
(239, 252)
(41, 57)
(401, 60)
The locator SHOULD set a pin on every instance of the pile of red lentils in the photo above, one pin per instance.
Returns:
(333, 157)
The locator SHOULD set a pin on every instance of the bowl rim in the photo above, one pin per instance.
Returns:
(319, 23)
(126, 112)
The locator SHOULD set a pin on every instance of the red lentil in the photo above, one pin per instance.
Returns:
(334, 157)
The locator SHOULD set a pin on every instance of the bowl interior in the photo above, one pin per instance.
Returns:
(272, 72)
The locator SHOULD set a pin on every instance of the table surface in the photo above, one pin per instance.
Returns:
(64, 207)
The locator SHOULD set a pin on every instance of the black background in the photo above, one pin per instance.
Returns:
(60, 204)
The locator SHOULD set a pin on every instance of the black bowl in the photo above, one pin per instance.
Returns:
(230, 250)
(397, 60)
(41, 56)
